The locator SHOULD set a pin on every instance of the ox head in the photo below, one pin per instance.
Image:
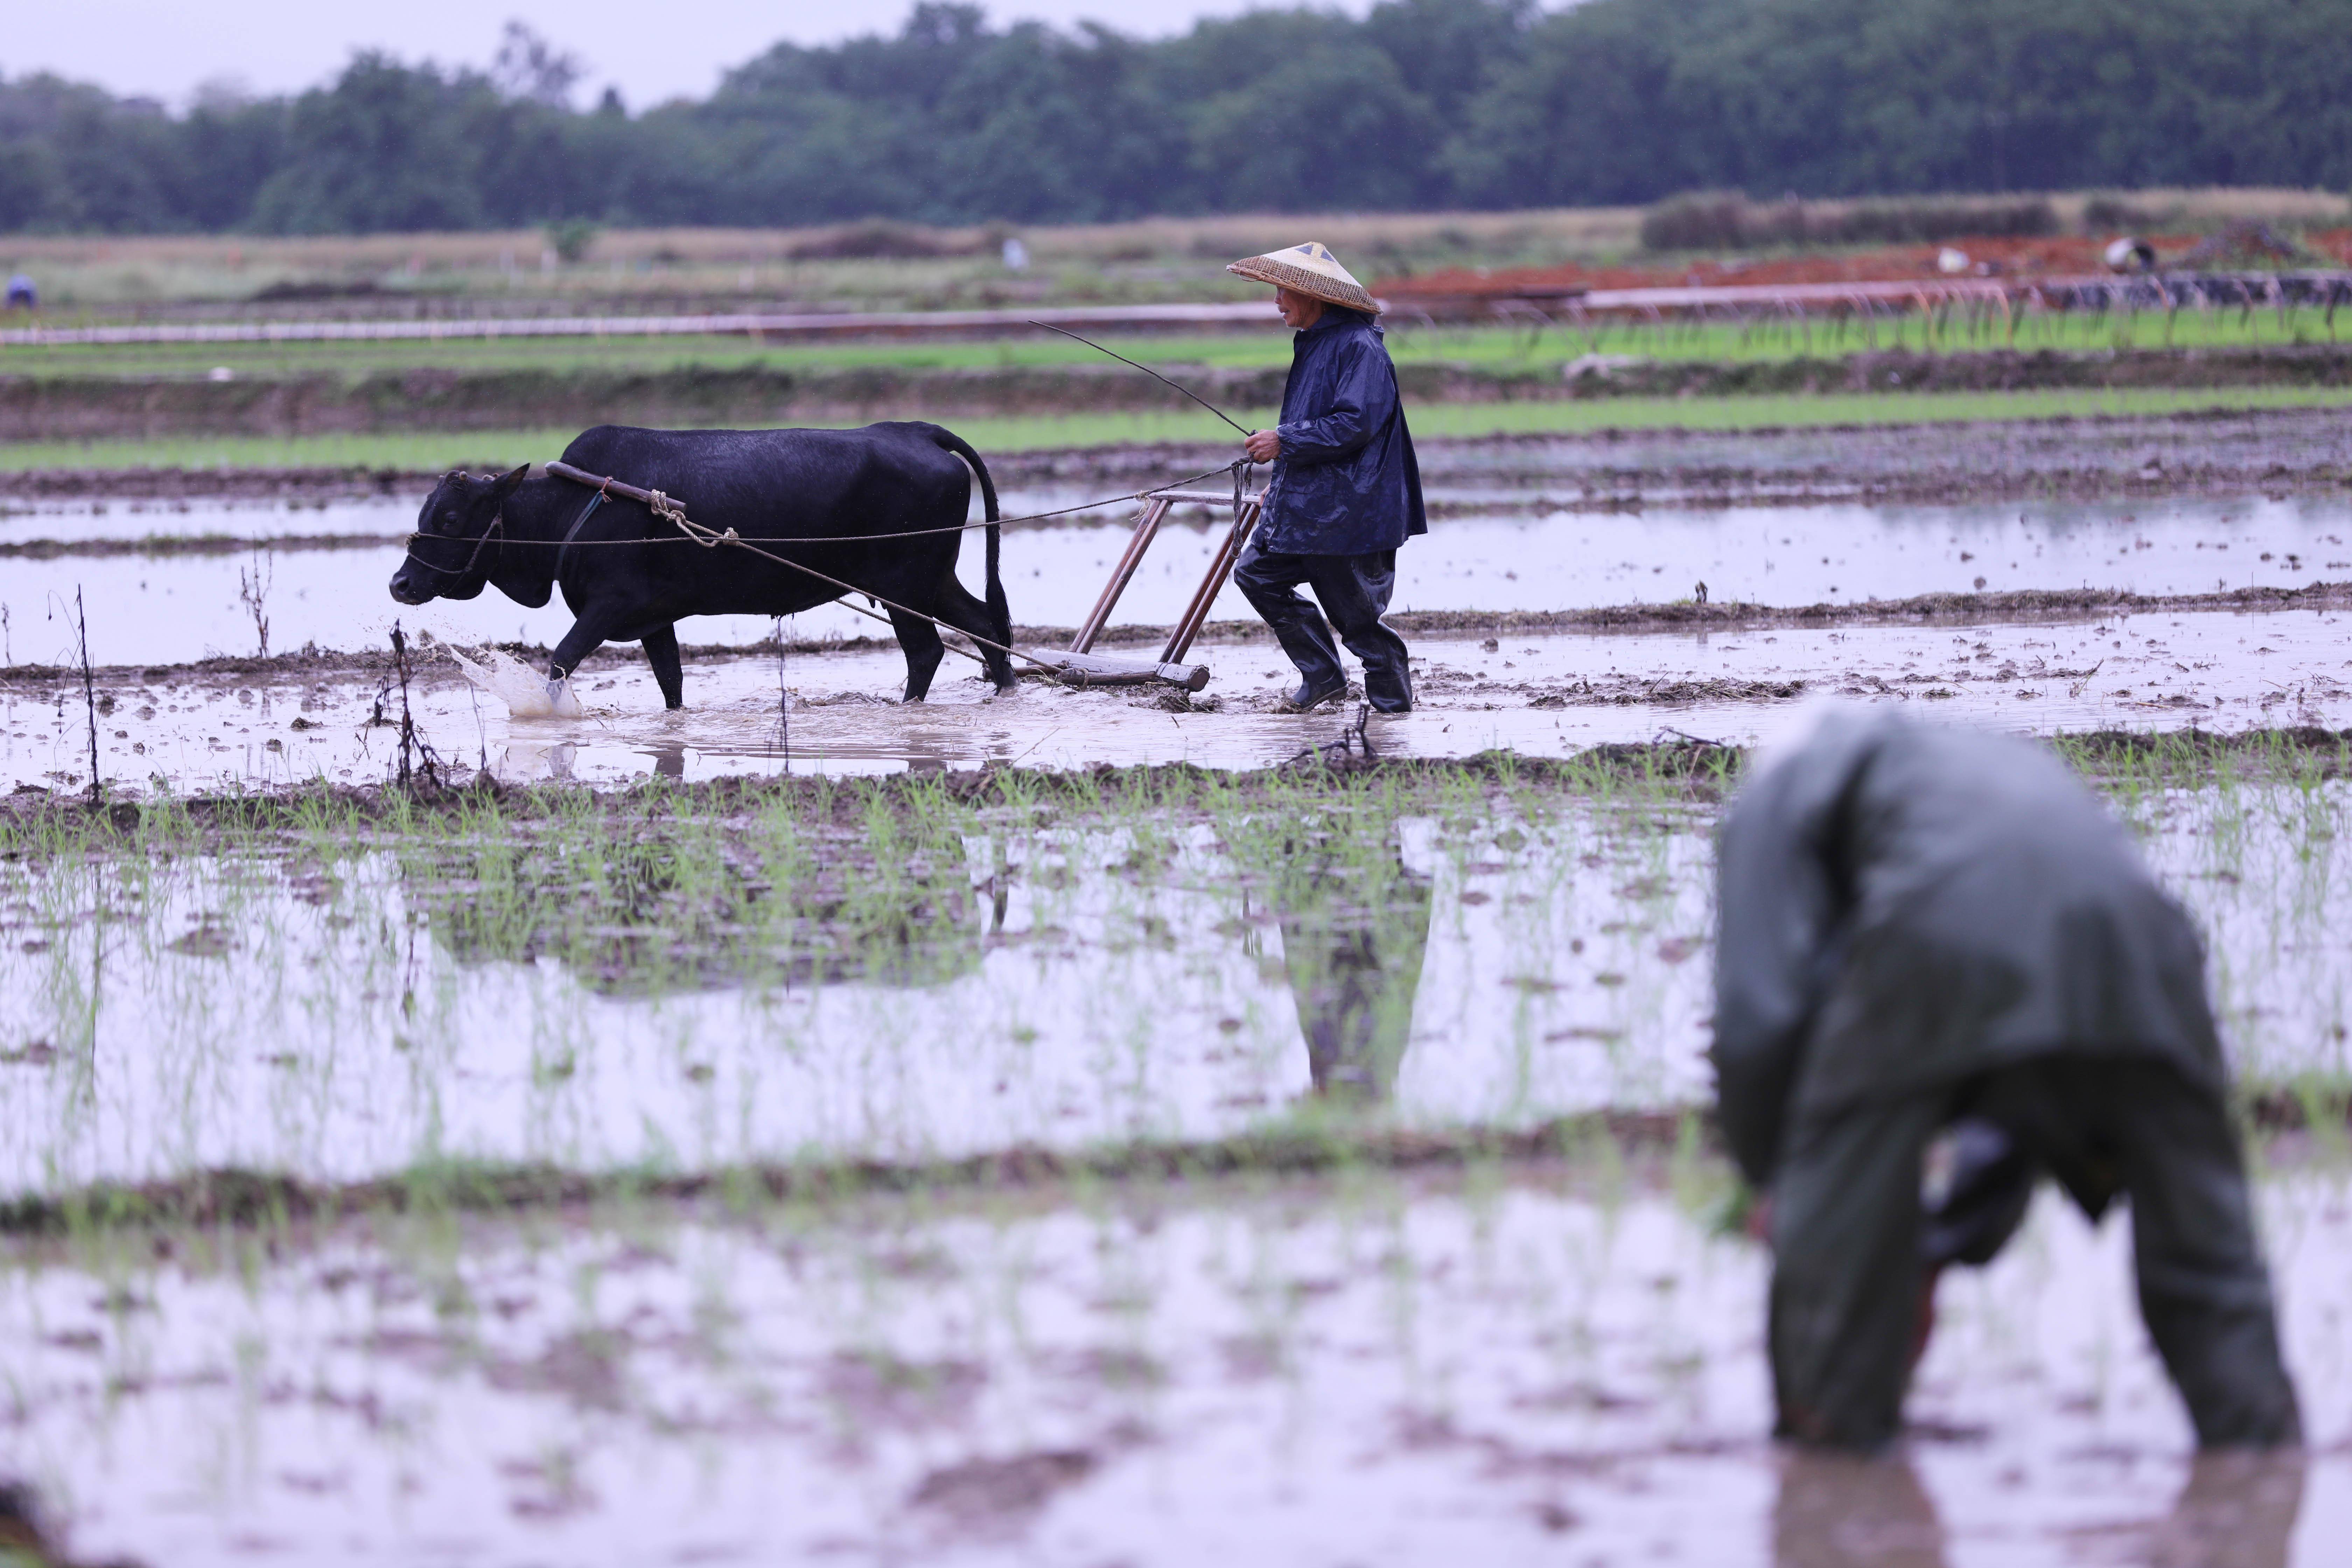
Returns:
(457, 539)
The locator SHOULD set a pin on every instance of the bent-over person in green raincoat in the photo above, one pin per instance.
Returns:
(1924, 927)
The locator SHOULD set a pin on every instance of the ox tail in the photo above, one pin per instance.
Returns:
(1000, 614)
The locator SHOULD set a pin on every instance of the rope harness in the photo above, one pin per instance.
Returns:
(670, 511)
(692, 532)
(563, 551)
(498, 526)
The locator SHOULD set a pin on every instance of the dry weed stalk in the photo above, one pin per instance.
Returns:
(88, 693)
(253, 592)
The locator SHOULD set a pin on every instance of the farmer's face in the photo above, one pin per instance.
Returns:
(1299, 311)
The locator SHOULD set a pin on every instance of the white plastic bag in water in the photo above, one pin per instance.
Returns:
(527, 693)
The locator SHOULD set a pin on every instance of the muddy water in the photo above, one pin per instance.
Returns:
(1541, 1368)
(344, 1019)
(118, 519)
(153, 609)
(1543, 696)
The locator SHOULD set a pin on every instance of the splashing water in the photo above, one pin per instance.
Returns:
(527, 693)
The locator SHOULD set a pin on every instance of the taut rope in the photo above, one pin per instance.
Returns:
(689, 531)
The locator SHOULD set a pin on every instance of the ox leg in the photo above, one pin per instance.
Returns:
(968, 614)
(920, 642)
(586, 635)
(661, 652)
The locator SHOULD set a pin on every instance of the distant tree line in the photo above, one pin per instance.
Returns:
(1421, 104)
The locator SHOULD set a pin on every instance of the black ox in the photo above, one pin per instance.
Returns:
(828, 486)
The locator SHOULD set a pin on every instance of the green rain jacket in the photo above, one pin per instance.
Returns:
(1904, 906)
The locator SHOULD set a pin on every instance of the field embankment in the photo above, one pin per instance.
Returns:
(1585, 455)
(90, 407)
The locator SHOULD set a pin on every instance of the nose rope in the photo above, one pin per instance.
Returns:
(498, 526)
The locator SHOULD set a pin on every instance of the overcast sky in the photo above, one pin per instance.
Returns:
(653, 49)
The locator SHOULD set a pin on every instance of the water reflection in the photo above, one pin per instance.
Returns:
(646, 918)
(1353, 945)
(1837, 1511)
(2237, 1510)
(531, 759)
(857, 993)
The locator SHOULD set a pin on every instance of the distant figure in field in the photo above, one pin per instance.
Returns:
(1346, 489)
(21, 295)
(1924, 927)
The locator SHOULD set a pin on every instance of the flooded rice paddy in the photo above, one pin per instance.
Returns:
(166, 584)
(750, 1134)
(721, 999)
(690, 991)
(1538, 694)
(1525, 1357)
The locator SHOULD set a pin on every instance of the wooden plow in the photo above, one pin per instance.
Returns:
(1079, 664)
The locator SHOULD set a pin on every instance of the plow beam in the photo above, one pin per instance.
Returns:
(1094, 669)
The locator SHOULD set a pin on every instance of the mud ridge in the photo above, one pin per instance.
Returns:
(242, 1199)
(1693, 768)
(32, 811)
(2013, 607)
(1967, 370)
(308, 483)
(82, 407)
(2217, 450)
(425, 663)
(165, 545)
(86, 408)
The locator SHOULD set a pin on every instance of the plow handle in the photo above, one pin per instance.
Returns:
(1196, 614)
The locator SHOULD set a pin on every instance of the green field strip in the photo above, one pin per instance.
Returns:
(1491, 348)
(424, 451)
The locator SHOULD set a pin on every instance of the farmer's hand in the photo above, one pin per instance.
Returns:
(1263, 446)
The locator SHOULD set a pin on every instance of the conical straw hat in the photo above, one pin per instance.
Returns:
(1310, 269)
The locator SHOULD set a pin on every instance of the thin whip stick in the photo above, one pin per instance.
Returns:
(1146, 370)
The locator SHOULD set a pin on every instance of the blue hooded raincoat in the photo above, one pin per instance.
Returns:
(1347, 482)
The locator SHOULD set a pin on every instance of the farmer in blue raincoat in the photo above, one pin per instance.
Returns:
(1346, 490)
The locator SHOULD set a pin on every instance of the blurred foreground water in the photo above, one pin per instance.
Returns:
(1523, 1364)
